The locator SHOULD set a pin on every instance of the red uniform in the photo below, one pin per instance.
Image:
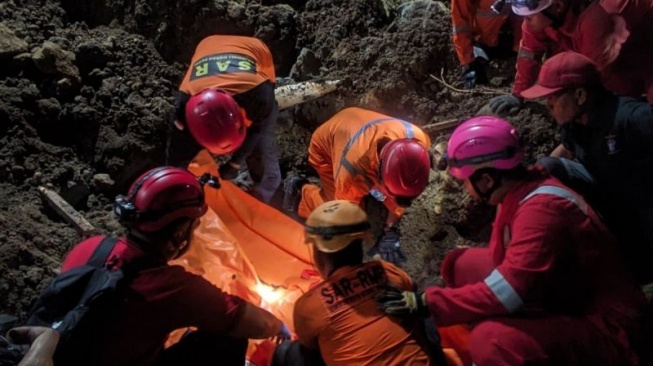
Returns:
(549, 289)
(164, 299)
(616, 34)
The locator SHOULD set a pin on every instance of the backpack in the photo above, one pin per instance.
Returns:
(77, 299)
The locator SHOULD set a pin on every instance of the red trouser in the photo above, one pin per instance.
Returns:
(550, 340)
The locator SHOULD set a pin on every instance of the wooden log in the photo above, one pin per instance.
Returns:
(441, 126)
(291, 95)
(65, 210)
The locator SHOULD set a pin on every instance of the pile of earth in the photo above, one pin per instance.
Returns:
(86, 92)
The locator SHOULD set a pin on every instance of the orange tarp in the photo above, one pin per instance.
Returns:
(250, 249)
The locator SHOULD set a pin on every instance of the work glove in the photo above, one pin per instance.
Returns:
(474, 74)
(505, 104)
(388, 246)
(283, 335)
(243, 180)
(228, 171)
(402, 303)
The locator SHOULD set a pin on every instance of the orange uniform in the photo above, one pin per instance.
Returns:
(475, 21)
(340, 317)
(236, 64)
(343, 150)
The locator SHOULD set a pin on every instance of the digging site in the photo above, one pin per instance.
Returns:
(87, 95)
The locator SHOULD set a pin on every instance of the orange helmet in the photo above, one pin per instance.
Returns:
(216, 122)
(405, 167)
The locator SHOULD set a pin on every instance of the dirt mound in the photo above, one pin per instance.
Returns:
(87, 88)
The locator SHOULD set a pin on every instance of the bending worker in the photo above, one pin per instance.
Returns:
(612, 138)
(226, 101)
(338, 321)
(358, 153)
(160, 213)
(616, 34)
(476, 29)
(550, 289)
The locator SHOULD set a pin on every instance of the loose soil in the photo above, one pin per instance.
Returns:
(86, 93)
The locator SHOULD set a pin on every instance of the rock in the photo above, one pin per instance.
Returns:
(51, 59)
(65, 83)
(306, 67)
(102, 182)
(10, 45)
(49, 107)
(75, 193)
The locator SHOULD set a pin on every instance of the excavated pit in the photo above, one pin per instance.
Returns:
(86, 89)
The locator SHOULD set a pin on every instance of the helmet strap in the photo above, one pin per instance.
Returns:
(496, 183)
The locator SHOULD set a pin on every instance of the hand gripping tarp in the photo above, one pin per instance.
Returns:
(251, 250)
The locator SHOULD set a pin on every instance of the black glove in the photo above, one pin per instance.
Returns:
(402, 303)
(228, 172)
(505, 104)
(475, 73)
(388, 246)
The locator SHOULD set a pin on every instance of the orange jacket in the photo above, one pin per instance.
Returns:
(616, 34)
(341, 318)
(474, 20)
(346, 145)
(234, 63)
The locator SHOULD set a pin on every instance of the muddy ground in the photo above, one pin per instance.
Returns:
(86, 90)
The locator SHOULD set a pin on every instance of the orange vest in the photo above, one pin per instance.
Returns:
(341, 317)
(348, 141)
(234, 63)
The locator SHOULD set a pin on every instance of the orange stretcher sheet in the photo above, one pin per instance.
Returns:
(251, 250)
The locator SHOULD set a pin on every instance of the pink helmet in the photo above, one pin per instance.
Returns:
(483, 142)
(216, 122)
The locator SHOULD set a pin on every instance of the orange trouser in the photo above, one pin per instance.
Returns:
(312, 195)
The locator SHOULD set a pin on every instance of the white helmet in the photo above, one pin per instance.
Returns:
(529, 7)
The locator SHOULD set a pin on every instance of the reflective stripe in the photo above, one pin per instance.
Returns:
(524, 53)
(462, 29)
(354, 171)
(480, 13)
(506, 294)
(558, 192)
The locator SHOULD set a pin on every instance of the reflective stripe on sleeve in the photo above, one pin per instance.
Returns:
(462, 29)
(504, 291)
(524, 53)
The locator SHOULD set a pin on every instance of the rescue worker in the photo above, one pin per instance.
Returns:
(612, 138)
(550, 289)
(477, 26)
(226, 101)
(160, 213)
(337, 322)
(357, 153)
(616, 34)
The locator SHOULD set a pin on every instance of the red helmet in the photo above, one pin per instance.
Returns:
(216, 122)
(159, 197)
(405, 167)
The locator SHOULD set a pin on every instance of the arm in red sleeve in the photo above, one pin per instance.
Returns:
(600, 35)
(532, 48)
(462, 16)
(538, 230)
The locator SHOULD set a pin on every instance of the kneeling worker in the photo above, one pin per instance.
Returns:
(358, 153)
(337, 321)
